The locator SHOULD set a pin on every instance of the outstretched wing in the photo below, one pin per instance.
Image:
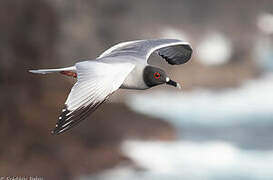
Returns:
(172, 50)
(96, 81)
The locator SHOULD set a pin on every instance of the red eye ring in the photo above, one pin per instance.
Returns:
(157, 75)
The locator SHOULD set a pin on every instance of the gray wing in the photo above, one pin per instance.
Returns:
(172, 50)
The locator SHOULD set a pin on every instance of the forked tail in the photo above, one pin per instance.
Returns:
(68, 71)
(45, 71)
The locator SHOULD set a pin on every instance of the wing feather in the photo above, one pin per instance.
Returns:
(172, 50)
(96, 82)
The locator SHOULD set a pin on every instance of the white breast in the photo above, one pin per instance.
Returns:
(135, 79)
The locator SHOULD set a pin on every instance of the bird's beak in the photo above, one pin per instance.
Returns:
(172, 83)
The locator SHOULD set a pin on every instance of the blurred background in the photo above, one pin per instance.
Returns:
(219, 126)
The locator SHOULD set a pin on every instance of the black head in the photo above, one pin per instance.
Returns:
(154, 76)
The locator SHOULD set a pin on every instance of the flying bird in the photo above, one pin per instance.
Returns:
(121, 66)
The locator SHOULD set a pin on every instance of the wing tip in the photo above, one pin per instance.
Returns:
(54, 132)
(58, 129)
(182, 59)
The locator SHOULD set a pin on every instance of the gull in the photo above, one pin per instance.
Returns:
(123, 66)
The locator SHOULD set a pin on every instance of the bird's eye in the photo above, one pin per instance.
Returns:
(156, 75)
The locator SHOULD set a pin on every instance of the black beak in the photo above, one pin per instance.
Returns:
(173, 83)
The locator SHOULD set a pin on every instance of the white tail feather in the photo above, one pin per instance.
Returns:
(45, 71)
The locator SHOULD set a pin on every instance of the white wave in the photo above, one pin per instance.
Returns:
(192, 161)
(252, 103)
(265, 23)
(214, 49)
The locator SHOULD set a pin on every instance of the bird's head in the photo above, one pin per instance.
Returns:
(154, 76)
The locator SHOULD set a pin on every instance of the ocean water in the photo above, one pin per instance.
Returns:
(241, 116)
(223, 135)
(192, 161)
(252, 103)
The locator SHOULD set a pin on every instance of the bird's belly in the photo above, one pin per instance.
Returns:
(132, 86)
